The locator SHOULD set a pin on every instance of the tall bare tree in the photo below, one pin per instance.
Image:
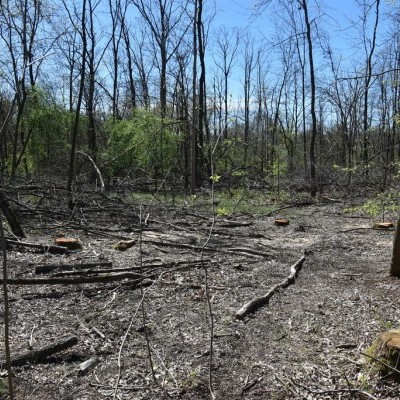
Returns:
(314, 128)
(227, 45)
(164, 18)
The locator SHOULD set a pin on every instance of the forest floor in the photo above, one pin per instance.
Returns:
(306, 343)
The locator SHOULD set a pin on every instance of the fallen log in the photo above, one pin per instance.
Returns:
(41, 247)
(46, 268)
(258, 302)
(234, 224)
(36, 356)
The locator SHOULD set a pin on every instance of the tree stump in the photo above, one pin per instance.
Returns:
(383, 225)
(385, 354)
(124, 245)
(281, 222)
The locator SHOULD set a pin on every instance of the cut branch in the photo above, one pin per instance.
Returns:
(258, 302)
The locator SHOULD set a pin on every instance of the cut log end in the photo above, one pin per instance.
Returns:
(69, 243)
(383, 225)
(281, 222)
(124, 245)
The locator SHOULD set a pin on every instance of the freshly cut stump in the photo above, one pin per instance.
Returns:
(385, 353)
(124, 245)
(383, 225)
(69, 243)
(281, 222)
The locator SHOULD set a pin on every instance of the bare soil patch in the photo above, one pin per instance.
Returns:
(306, 343)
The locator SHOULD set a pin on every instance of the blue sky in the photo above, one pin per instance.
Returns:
(340, 14)
(339, 21)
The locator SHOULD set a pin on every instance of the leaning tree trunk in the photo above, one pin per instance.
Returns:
(10, 216)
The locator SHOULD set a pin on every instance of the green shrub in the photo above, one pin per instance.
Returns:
(145, 141)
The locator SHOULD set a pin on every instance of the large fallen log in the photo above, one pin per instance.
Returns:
(35, 356)
(258, 302)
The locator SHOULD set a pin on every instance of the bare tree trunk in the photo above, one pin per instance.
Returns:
(6, 318)
(75, 122)
(395, 263)
(368, 77)
(90, 59)
(248, 69)
(193, 139)
(131, 80)
(314, 129)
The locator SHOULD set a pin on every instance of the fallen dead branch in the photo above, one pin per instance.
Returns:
(292, 205)
(46, 268)
(39, 355)
(41, 247)
(321, 392)
(73, 280)
(238, 250)
(250, 251)
(234, 224)
(258, 302)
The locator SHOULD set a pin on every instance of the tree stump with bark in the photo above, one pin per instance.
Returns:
(385, 354)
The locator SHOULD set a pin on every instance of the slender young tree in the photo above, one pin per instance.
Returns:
(369, 45)
(117, 15)
(249, 66)
(129, 60)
